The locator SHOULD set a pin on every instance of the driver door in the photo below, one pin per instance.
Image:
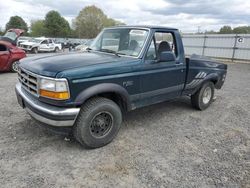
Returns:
(51, 45)
(44, 46)
(163, 80)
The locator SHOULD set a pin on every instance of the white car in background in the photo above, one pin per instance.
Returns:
(83, 47)
(41, 44)
(22, 39)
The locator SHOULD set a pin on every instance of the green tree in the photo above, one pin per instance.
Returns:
(226, 30)
(1, 32)
(211, 32)
(56, 25)
(242, 30)
(37, 28)
(111, 22)
(16, 22)
(91, 20)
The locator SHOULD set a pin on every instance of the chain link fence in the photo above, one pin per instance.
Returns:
(233, 47)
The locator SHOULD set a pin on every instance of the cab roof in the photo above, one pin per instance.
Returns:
(144, 27)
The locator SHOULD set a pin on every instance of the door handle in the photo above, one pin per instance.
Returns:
(178, 63)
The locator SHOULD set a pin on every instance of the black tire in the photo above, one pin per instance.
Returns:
(56, 50)
(35, 50)
(93, 119)
(198, 99)
(14, 66)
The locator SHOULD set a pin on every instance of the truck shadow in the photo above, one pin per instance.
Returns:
(44, 135)
(180, 105)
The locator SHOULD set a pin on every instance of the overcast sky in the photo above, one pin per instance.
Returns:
(186, 15)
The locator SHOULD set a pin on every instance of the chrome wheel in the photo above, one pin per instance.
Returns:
(207, 94)
(101, 124)
(14, 66)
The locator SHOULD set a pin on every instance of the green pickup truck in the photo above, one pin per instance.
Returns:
(125, 68)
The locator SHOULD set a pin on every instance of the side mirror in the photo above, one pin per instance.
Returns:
(167, 56)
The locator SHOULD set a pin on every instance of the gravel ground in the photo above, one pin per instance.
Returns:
(165, 145)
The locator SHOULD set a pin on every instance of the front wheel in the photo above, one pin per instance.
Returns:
(98, 122)
(35, 50)
(56, 50)
(14, 66)
(203, 97)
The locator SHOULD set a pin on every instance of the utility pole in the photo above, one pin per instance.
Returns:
(199, 29)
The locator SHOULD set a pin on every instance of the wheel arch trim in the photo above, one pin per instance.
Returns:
(209, 77)
(104, 88)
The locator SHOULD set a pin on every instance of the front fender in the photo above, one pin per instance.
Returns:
(103, 88)
(34, 46)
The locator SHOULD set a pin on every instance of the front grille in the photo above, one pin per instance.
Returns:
(24, 46)
(29, 81)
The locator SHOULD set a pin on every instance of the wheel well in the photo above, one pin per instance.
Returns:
(214, 80)
(117, 98)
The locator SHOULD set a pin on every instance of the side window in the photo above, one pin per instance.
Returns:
(151, 54)
(50, 41)
(165, 42)
(45, 42)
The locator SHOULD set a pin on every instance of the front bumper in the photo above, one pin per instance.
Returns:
(48, 114)
(26, 49)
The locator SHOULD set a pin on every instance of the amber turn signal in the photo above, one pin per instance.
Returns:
(54, 95)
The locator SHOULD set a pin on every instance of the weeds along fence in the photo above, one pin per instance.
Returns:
(232, 47)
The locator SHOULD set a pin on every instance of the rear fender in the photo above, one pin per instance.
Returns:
(213, 77)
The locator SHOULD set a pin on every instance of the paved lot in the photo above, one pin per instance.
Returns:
(165, 145)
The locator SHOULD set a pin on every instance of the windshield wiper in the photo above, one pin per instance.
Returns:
(112, 51)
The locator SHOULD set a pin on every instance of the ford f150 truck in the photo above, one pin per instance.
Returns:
(89, 91)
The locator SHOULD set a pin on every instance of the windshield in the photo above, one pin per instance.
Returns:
(122, 41)
(23, 38)
(35, 40)
(11, 35)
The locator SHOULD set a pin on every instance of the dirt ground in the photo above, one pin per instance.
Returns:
(165, 145)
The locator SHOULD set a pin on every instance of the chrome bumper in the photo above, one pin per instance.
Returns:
(45, 113)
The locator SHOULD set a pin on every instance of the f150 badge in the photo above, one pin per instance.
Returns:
(128, 83)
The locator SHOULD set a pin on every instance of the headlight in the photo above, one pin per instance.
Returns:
(54, 89)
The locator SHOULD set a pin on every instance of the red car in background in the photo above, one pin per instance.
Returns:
(10, 54)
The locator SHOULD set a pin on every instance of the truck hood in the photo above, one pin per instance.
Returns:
(29, 43)
(51, 65)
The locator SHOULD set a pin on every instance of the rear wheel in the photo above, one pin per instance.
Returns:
(203, 97)
(98, 122)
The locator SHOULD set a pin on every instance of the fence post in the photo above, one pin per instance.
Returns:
(234, 47)
(204, 44)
